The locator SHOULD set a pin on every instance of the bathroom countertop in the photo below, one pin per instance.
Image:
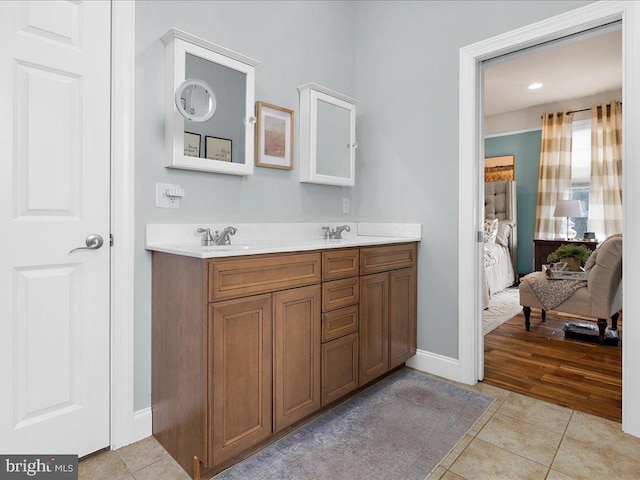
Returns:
(263, 238)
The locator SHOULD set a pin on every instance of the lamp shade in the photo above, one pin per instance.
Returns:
(568, 208)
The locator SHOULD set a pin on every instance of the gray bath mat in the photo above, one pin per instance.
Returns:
(399, 428)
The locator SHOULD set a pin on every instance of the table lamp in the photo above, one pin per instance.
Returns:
(567, 208)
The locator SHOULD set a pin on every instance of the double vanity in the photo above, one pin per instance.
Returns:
(252, 338)
(259, 327)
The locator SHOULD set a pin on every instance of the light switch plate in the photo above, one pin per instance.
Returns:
(346, 207)
(166, 201)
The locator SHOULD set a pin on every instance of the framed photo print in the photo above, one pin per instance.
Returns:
(191, 144)
(217, 149)
(274, 136)
(498, 169)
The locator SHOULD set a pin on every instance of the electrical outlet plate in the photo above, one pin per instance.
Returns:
(346, 205)
(163, 200)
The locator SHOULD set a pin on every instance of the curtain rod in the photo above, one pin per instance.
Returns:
(581, 110)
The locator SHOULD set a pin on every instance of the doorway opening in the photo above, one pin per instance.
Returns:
(471, 150)
(568, 74)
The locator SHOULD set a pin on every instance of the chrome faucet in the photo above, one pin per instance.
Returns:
(207, 239)
(223, 238)
(336, 233)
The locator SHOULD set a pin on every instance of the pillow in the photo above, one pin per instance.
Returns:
(502, 236)
(490, 230)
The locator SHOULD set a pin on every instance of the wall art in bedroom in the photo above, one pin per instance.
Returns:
(499, 169)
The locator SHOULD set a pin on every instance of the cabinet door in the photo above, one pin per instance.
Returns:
(374, 326)
(402, 316)
(296, 354)
(339, 367)
(240, 388)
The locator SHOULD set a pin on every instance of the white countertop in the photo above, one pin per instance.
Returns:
(255, 239)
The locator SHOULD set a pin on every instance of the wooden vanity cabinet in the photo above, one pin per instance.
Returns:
(244, 347)
(388, 308)
(236, 351)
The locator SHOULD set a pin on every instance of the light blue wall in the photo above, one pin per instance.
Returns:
(526, 147)
(407, 82)
(297, 42)
(399, 59)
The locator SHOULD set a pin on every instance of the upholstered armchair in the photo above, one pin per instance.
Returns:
(601, 298)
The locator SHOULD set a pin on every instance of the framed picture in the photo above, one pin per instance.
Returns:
(217, 149)
(274, 136)
(498, 169)
(191, 144)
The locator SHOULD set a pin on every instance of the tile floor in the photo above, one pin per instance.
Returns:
(517, 438)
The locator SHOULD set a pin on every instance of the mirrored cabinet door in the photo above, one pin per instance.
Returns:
(209, 95)
(327, 136)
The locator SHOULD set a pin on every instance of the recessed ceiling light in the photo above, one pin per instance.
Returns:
(535, 86)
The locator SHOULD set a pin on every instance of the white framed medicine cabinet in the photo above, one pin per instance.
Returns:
(222, 142)
(327, 136)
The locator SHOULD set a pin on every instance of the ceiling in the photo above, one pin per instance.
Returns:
(579, 67)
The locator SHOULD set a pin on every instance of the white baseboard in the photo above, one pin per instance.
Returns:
(142, 427)
(435, 364)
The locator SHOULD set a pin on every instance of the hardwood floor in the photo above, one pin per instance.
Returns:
(543, 364)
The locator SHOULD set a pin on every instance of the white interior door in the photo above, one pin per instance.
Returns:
(54, 192)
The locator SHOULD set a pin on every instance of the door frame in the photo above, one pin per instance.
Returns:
(122, 425)
(471, 148)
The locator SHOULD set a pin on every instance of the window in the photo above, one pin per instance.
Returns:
(580, 171)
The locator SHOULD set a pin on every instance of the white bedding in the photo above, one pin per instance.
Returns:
(498, 270)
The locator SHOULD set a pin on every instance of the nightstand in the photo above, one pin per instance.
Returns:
(542, 248)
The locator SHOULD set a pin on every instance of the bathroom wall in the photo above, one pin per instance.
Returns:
(399, 59)
(297, 42)
(407, 81)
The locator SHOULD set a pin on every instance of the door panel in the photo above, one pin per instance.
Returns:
(240, 339)
(402, 316)
(297, 354)
(339, 367)
(54, 305)
(374, 326)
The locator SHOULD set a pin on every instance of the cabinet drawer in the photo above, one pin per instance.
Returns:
(248, 276)
(339, 367)
(338, 323)
(339, 264)
(391, 257)
(340, 293)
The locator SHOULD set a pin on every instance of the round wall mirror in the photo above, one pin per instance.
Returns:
(195, 100)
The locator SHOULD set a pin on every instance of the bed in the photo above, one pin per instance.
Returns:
(500, 250)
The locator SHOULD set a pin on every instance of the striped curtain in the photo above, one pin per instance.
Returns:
(605, 184)
(554, 179)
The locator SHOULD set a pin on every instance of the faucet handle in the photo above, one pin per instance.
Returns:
(207, 239)
(327, 232)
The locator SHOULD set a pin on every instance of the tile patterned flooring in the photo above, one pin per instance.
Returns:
(517, 438)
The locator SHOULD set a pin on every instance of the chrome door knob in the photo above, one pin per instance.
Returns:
(93, 241)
